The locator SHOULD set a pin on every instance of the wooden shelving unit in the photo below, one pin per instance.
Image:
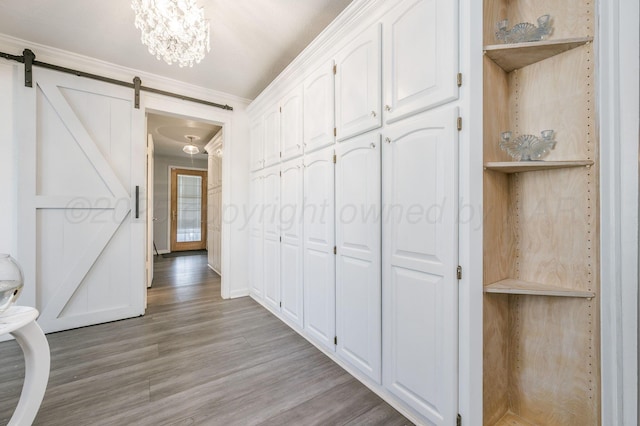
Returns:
(541, 353)
(533, 166)
(511, 57)
(512, 286)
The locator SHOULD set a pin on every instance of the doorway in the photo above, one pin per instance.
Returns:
(188, 209)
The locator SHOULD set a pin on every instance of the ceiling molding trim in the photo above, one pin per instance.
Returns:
(68, 59)
(354, 18)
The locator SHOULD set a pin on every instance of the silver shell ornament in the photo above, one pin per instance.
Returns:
(524, 31)
(528, 147)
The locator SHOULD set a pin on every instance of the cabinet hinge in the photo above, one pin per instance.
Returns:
(335, 69)
(459, 79)
(335, 131)
(459, 420)
(281, 304)
(335, 250)
(280, 239)
(335, 340)
(459, 123)
(459, 272)
(280, 154)
(280, 174)
(280, 109)
(335, 158)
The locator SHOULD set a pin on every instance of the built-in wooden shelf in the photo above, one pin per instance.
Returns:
(513, 56)
(510, 419)
(512, 286)
(532, 166)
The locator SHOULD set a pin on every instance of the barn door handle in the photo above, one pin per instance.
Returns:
(137, 202)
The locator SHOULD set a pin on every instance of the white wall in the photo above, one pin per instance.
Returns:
(161, 185)
(8, 172)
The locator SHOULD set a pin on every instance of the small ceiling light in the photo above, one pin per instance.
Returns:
(173, 30)
(190, 148)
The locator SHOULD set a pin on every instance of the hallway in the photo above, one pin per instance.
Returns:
(192, 359)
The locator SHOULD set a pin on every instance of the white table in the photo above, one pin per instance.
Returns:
(20, 321)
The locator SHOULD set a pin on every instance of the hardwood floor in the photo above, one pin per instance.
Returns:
(193, 359)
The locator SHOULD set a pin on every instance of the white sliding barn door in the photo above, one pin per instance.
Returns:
(271, 248)
(319, 240)
(291, 249)
(420, 258)
(78, 195)
(358, 282)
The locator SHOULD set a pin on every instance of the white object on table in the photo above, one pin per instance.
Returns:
(20, 321)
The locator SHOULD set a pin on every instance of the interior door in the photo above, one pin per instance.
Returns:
(82, 191)
(419, 263)
(271, 248)
(291, 249)
(188, 209)
(319, 241)
(150, 244)
(358, 281)
(358, 83)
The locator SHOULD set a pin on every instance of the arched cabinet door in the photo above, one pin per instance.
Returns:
(358, 85)
(271, 247)
(291, 248)
(420, 63)
(319, 240)
(358, 285)
(291, 124)
(420, 258)
(319, 108)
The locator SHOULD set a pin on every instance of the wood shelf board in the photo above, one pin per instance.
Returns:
(532, 166)
(518, 55)
(513, 286)
(510, 419)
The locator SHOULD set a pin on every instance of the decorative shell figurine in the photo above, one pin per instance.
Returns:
(524, 31)
(528, 147)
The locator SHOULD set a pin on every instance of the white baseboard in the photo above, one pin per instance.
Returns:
(242, 292)
(214, 269)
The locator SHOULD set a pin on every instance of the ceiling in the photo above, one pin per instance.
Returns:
(170, 134)
(252, 41)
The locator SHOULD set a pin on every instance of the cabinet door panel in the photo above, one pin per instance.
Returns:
(272, 136)
(256, 235)
(319, 260)
(257, 145)
(291, 124)
(272, 237)
(358, 284)
(291, 225)
(358, 85)
(419, 263)
(420, 57)
(319, 108)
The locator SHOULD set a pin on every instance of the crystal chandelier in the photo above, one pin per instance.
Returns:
(173, 30)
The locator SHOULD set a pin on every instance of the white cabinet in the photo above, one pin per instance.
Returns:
(291, 124)
(271, 143)
(291, 248)
(256, 234)
(319, 241)
(420, 39)
(256, 134)
(358, 281)
(271, 249)
(420, 257)
(358, 85)
(319, 108)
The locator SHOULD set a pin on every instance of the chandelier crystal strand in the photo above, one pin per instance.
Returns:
(173, 30)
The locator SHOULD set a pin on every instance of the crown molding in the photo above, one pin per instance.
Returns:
(88, 64)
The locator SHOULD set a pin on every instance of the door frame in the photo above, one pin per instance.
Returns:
(204, 173)
(155, 103)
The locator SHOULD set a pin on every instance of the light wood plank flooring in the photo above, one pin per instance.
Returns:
(193, 359)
